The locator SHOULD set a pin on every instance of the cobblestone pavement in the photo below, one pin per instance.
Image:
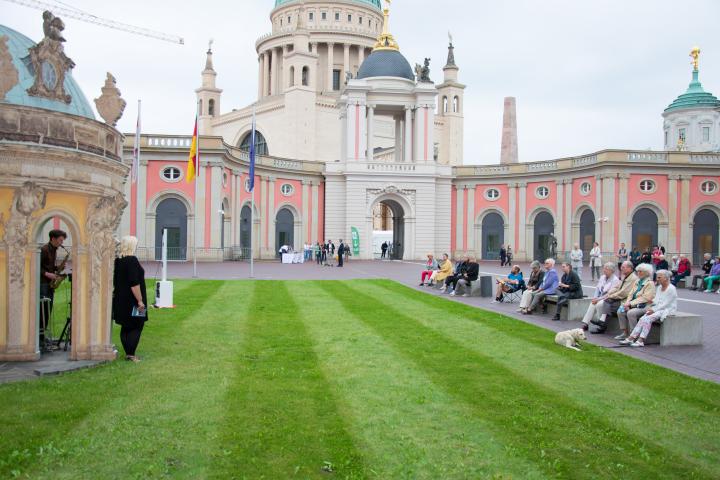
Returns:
(699, 361)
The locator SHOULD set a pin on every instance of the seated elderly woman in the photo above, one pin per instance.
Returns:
(607, 282)
(536, 277)
(443, 271)
(512, 283)
(641, 296)
(664, 304)
(430, 266)
(684, 269)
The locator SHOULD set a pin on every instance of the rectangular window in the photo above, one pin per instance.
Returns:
(666, 138)
(337, 16)
(336, 79)
(706, 134)
(681, 135)
(360, 21)
(324, 15)
(311, 16)
(349, 18)
(289, 22)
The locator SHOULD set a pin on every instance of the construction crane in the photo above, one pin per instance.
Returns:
(72, 12)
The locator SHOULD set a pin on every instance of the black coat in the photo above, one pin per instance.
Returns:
(472, 271)
(128, 273)
(574, 289)
(341, 249)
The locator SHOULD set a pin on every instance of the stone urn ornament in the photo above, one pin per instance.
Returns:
(110, 105)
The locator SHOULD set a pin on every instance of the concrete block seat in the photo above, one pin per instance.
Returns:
(679, 329)
(575, 310)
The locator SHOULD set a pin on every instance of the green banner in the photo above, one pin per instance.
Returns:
(355, 241)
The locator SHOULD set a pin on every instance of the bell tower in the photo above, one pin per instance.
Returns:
(450, 112)
(208, 95)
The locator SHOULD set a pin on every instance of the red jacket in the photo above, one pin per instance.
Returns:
(684, 267)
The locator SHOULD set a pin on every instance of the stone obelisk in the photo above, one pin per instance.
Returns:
(509, 147)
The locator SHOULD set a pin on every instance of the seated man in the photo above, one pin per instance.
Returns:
(547, 287)
(607, 282)
(684, 270)
(697, 280)
(616, 296)
(641, 296)
(513, 283)
(472, 271)
(569, 288)
(536, 277)
(460, 269)
(664, 304)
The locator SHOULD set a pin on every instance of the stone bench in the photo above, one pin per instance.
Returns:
(575, 310)
(679, 329)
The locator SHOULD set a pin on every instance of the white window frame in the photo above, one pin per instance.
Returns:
(539, 196)
(487, 196)
(289, 193)
(711, 182)
(651, 190)
(585, 192)
(168, 180)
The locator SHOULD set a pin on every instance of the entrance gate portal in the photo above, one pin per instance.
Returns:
(393, 217)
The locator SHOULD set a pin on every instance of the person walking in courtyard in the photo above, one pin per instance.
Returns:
(533, 283)
(664, 305)
(622, 255)
(568, 289)
(317, 249)
(508, 262)
(595, 261)
(341, 253)
(503, 255)
(641, 296)
(607, 282)
(430, 266)
(576, 259)
(383, 250)
(129, 305)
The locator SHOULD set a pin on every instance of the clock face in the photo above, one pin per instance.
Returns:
(49, 75)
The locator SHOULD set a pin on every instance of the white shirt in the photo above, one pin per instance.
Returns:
(665, 302)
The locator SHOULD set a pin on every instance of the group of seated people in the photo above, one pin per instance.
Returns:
(711, 274)
(547, 282)
(454, 280)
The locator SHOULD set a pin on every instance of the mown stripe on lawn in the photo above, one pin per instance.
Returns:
(282, 419)
(691, 390)
(406, 426)
(539, 425)
(54, 423)
(623, 403)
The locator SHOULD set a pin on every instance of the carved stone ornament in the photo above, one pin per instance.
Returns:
(27, 199)
(110, 105)
(103, 217)
(8, 73)
(373, 193)
(49, 62)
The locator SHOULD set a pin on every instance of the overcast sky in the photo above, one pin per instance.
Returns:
(587, 74)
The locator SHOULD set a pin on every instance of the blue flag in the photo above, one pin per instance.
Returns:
(252, 154)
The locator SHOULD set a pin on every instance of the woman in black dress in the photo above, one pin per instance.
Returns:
(129, 297)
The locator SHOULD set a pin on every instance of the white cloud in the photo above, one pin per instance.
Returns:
(587, 74)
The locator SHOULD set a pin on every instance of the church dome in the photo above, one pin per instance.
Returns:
(694, 97)
(386, 63)
(18, 46)
(372, 3)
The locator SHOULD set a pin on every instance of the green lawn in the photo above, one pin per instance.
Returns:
(356, 379)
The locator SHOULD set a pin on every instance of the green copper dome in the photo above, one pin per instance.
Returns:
(695, 97)
(18, 45)
(374, 3)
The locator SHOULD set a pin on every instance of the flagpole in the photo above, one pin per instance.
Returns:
(252, 202)
(197, 180)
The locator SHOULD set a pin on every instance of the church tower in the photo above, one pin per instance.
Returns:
(450, 113)
(208, 96)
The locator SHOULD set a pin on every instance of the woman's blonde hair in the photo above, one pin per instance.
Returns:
(128, 244)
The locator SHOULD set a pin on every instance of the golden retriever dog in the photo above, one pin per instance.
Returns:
(570, 338)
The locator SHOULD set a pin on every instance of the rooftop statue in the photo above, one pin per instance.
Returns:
(422, 72)
(49, 63)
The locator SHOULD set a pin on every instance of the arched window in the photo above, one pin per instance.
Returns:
(261, 147)
(291, 80)
(445, 105)
(200, 107)
(456, 104)
(211, 107)
(305, 76)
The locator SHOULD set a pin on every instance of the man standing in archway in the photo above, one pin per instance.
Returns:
(341, 253)
(48, 274)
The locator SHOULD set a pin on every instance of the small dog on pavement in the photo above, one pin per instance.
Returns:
(570, 338)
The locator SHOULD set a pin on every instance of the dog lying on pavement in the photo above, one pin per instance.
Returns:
(570, 338)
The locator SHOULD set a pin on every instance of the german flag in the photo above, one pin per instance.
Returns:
(193, 166)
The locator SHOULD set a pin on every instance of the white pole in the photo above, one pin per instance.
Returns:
(164, 255)
(197, 180)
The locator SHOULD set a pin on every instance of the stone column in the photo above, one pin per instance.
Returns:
(330, 65)
(317, 81)
(407, 140)
(314, 237)
(520, 250)
(274, 77)
(471, 220)
(234, 209)
(624, 234)
(685, 239)
(674, 231)
(261, 65)
(512, 216)
(599, 213)
(361, 55)
(459, 217)
(266, 73)
(559, 203)
(418, 140)
(371, 133)
(264, 217)
(568, 215)
(608, 208)
(271, 216)
(141, 206)
(215, 195)
(305, 213)
(346, 59)
(398, 139)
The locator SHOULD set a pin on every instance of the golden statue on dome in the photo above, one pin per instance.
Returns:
(386, 41)
(695, 54)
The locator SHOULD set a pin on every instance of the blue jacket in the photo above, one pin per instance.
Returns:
(550, 282)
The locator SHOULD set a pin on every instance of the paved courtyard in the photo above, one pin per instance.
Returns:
(699, 361)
